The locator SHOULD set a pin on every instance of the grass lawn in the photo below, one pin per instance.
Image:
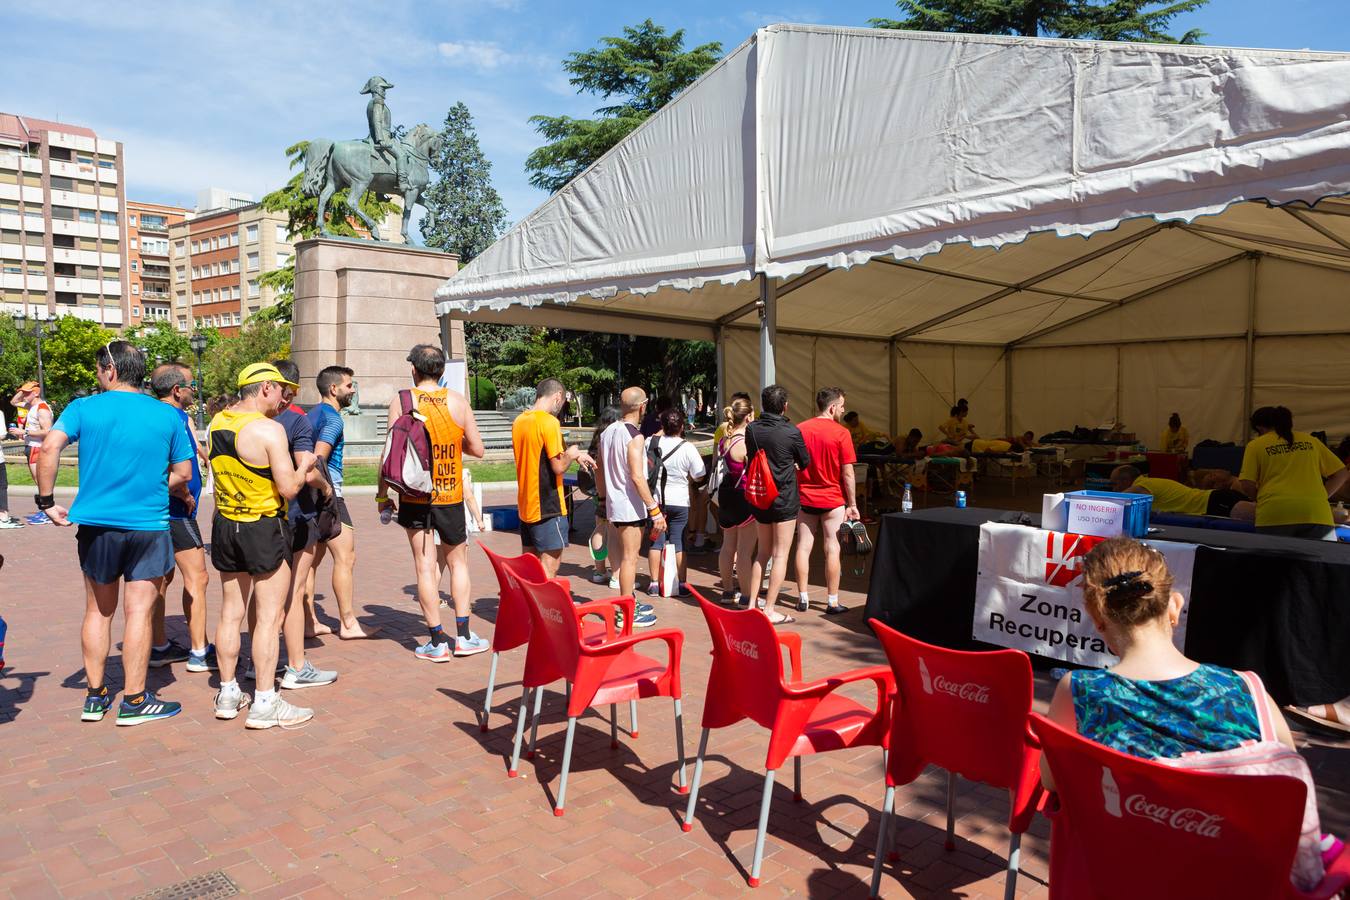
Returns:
(354, 474)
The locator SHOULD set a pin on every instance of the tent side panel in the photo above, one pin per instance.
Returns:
(1199, 380)
(862, 369)
(1309, 375)
(1058, 388)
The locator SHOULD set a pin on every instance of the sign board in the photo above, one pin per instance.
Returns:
(1101, 518)
(1028, 594)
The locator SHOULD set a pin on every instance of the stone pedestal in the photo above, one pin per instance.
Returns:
(363, 304)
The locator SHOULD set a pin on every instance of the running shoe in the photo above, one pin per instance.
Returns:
(229, 703)
(39, 518)
(173, 653)
(433, 652)
(614, 582)
(11, 522)
(730, 598)
(641, 607)
(148, 710)
(803, 604)
(653, 590)
(684, 591)
(204, 663)
(96, 707)
(599, 578)
(835, 609)
(644, 620)
(307, 677)
(468, 646)
(277, 713)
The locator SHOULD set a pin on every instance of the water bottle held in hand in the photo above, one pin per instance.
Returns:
(907, 501)
(386, 514)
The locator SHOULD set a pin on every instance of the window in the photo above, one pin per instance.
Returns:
(215, 295)
(177, 248)
(179, 275)
(195, 247)
(136, 289)
(67, 214)
(215, 268)
(86, 215)
(135, 310)
(133, 222)
(282, 235)
(107, 218)
(65, 184)
(182, 323)
(133, 244)
(234, 294)
(105, 164)
(283, 257)
(253, 262)
(253, 288)
(134, 264)
(215, 243)
(251, 234)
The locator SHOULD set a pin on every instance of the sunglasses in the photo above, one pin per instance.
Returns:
(186, 384)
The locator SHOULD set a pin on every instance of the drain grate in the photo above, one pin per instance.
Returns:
(204, 887)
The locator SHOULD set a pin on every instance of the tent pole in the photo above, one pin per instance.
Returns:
(1007, 390)
(1249, 371)
(721, 338)
(768, 328)
(895, 387)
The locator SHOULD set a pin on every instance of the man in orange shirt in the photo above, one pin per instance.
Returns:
(436, 529)
(541, 460)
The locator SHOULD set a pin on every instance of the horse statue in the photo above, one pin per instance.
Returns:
(358, 166)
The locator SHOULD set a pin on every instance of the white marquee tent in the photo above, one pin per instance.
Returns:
(1064, 232)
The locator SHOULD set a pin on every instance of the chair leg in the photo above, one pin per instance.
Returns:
(487, 701)
(688, 824)
(887, 805)
(613, 725)
(797, 779)
(951, 812)
(679, 745)
(763, 827)
(520, 733)
(534, 722)
(632, 718)
(1014, 852)
(567, 764)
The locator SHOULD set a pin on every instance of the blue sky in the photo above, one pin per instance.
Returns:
(209, 94)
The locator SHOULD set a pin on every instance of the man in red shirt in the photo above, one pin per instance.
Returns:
(827, 493)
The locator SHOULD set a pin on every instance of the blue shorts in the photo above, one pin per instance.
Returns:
(677, 517)
(109, 554)
(547, 535)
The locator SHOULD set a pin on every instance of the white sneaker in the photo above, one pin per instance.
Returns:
(614, 582)
(306, 677)
(228, 704)
(278, 712)
(470, 645)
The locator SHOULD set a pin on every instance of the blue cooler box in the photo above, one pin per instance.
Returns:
(1138, 507)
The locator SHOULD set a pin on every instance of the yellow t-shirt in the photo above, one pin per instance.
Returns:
(1289, 479)
(956, 429)
(536, 438)
(1175, 441)
(1174, 497)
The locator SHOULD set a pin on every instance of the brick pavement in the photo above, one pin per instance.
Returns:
(392, 788)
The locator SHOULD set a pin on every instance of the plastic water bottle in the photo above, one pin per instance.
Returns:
(3, 629)
(386, 514)
(907, 501)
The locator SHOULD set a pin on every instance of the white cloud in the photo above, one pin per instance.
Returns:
(475, 54)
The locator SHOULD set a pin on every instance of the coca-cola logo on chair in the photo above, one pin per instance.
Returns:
(970, 691)
(1186, 818)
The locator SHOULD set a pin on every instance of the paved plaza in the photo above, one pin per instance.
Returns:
(393, 789)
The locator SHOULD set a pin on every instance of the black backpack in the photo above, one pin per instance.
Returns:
(656, 465)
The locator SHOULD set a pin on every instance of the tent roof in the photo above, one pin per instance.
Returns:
(1057, 178)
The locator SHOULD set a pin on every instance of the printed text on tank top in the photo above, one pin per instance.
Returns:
(447, 441)
(245, 492)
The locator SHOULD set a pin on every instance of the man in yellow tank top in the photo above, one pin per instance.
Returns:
(436, 530)
(251, 540)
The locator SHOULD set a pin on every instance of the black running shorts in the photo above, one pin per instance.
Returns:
(446, 519)
(255, 548)
(186, 535)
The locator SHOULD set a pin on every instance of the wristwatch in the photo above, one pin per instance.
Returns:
(44, 501)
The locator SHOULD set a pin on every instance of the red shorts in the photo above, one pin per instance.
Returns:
(33, 454)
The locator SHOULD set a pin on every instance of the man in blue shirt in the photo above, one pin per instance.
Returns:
(336, 390)
(133, 454)
(172, 383)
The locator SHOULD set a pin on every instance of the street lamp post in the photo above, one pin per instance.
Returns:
(198, 344)
(42, 325)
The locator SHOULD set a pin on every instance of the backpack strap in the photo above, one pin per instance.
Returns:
(405, 401)
(1258, 692)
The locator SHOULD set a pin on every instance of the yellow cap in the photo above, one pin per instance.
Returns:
(256, 372)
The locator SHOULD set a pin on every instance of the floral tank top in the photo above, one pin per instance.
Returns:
(1209, 710)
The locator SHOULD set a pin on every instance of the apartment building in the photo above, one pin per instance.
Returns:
(147, 258)
(61, 205)
(218, 257)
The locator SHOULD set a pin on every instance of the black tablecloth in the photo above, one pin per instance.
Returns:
(1278, 606)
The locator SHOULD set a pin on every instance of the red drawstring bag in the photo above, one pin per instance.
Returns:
(758, 484)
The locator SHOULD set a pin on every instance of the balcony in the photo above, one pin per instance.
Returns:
(153, 226)
(162, 296)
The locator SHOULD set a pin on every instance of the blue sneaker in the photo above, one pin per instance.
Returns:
(204, 663)
(173, 653)
(39, 518)
(641, 607)
(148, 710)
(96, 707)
(432, 652)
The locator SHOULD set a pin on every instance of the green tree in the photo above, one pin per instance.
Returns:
(69, 358)
(302, 212)
(1105, 20)
(641, 71)
(161, 342)
(465, 213)
(256, 342)
(542, 355)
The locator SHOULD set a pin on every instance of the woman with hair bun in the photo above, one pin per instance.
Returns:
(734, 514)
(1290, 474)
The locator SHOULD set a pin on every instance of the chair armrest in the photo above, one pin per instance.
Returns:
(673, 638)
(881, 675)
(793, 642)
(605, 609)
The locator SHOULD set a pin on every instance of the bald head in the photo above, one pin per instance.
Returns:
(632, 400)
(1123, 477)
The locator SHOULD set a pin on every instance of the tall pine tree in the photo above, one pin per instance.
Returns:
(1103, 20)
(464, 211)
(642, 71)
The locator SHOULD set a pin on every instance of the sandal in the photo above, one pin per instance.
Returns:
(785, 620)
(1329, 722)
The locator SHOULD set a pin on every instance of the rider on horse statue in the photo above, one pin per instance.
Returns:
(381, 130)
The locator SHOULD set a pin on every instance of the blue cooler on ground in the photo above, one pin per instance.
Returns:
(504, 518)
(1137, 508)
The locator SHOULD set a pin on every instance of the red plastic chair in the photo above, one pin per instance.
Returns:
(967, 713)
(607, 672)
(803, 717)
(1126, 827)
(512, 628)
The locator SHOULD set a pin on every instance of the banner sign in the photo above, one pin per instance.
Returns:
(1028, 594)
